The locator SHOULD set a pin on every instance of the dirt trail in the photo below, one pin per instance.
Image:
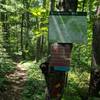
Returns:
(16, 81)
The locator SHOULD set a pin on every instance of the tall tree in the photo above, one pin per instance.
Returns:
(95, 73)
(96, 37)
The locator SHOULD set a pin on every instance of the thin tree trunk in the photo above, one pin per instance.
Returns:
(38, 44)
(22, 36)
(96, 38)
(5, 29)
(52, 5)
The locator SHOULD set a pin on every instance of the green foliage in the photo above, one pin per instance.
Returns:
(34, 87)
(35, 84)
(24, 31)
(6, 67)
(78, 82)
(12, 6)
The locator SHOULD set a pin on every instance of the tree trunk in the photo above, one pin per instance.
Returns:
(52, 5)
(96, 38)
(94, 89)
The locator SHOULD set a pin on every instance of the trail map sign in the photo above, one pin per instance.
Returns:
(67, 28)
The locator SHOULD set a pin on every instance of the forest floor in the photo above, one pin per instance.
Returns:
(25, 82)
(16, 81)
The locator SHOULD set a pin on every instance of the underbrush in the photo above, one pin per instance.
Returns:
(34, 88)
(6, 67)
(76, 89)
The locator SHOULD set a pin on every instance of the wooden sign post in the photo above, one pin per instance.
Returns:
(58, 64)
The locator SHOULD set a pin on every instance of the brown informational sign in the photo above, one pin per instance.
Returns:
(60, 62)
(60, 55)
